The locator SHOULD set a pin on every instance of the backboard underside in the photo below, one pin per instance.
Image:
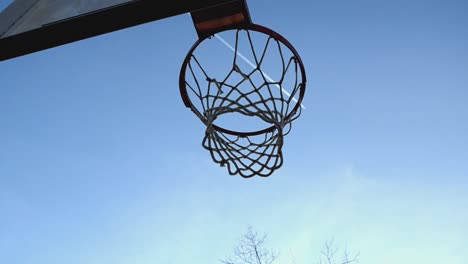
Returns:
(28, 26)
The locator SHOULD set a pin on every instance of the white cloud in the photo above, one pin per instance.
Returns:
(387, 220)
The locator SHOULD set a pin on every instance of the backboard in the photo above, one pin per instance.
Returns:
(27, 26)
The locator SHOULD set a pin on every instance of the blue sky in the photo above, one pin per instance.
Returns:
(100, 162)
(4, 4)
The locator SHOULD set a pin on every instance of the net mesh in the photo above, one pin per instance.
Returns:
(250, 93)
(248, 156)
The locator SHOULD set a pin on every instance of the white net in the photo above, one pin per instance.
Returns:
(241, 88)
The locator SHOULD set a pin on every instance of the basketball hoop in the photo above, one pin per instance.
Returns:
(276, 103)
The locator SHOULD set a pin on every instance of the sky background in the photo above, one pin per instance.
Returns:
(100, 162)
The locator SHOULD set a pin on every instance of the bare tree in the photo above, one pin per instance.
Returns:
(330, 255)
(251, 250)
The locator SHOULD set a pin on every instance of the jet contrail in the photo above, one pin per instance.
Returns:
(253, 66)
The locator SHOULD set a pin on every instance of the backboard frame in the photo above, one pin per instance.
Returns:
(96, 23)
